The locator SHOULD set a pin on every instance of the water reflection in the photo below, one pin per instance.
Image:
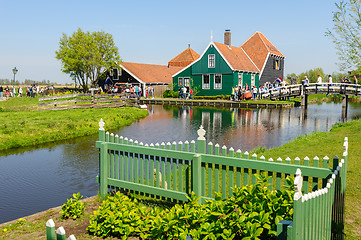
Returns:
(38, 178)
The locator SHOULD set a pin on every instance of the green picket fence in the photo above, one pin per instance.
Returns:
(59, 234)
(174, 170)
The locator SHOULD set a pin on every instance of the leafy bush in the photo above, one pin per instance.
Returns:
(251, 213)
(120, 217)
(170, 94)
(73, 208)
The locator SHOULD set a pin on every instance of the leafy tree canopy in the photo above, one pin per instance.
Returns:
(346, 33)
(86, 55)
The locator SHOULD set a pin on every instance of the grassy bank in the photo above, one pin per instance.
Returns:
(22, 125)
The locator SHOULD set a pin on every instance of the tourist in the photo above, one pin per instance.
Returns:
(232, 94)
(185, 95)
(330, 80)
(1, 92)
(319, 79)
(254, 92)
(20, 91)
(7, 92)
(306, 82)
(354, 79)
(180, 93)
(191, 93)
(152, 92)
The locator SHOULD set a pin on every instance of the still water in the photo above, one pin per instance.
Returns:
(38, 178)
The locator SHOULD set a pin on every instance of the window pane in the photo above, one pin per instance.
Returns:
(211, 60)
(218, 81)
(205, 84)
(180, 81)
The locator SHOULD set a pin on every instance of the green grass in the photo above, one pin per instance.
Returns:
(22, 125)
(331, 144)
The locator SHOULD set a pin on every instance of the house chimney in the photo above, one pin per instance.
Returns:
(227, 37)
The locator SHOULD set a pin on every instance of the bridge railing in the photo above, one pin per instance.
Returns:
(313, 88)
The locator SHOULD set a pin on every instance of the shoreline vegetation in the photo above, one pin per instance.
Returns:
(22, 125)
(315, 144)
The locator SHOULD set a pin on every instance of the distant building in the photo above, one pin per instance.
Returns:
(222, 66)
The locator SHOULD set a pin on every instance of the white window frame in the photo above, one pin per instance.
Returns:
(180, 82)
(240, 79)
(186, 81)
(253, 80)
(211, 60)
(217, 85)
(206, 86)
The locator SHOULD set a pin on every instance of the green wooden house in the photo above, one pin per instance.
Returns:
(217, 70)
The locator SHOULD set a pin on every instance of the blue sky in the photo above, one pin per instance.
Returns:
(156, 31)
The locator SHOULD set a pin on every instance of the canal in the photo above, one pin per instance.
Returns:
(38, 178)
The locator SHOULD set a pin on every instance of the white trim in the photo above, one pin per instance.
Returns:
(193, 62)
(131, 74)
(209, 60)
(264, 65)
(209, 79)
(214, 81)
(220, 53)
(180, 78)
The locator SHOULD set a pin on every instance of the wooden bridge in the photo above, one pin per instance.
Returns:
(299, 90)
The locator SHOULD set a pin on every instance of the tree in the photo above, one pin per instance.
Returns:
(346, 33)
(85, 56)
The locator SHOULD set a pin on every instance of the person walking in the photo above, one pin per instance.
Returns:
(354, 79)
(319, 79)
(1, 92)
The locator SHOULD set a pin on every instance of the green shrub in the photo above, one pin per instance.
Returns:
(73, 208)
(251, 213)
(170, 94)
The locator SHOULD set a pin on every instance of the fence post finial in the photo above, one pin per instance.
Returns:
(298, 185)
(201, 132)
(101, 124)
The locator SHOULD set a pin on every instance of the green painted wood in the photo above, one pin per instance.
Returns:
(246, 170)
(157, 168)
(298, 161)
(101, 135)
(149, 189)
(60, 234)
(231, 174)
(279, 176)
(305, 187)
(316, 163)
(174, 168)
(117, 159)
(180, 169)
(239, 170)
(210, 172)
(297, 220)
(254, 171)
(107, 136)
(210, 180)
(147, 168)
(224, 174)
(136, 165)
(141, 166)
(121, 160)
(50, 229)
(169, 167)
(126, 161)
(151, 166)
(197, 180)
(271, 186)
(162, 170)
(112, 169)
(216, 168)
(187, 171)
(131, 163)
(103, 170)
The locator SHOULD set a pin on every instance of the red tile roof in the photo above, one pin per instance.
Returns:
(257, 48)
(184, 58)
(236, 57)
(150, 73)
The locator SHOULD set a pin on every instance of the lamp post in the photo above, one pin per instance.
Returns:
(14, 71)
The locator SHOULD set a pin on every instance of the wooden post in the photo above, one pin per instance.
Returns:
(103, 166)
(196, 176)
(60, 234)
(297, 207)
(50, 230)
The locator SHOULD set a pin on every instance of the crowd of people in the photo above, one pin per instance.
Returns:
(129, 90)
(185, 93)
(31, 91)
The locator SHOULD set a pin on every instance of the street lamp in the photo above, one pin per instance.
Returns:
(14, 71)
